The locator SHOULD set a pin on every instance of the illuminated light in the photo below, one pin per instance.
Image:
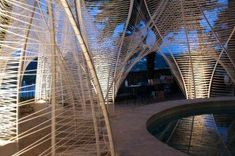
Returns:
(4, 142)
(41, 101)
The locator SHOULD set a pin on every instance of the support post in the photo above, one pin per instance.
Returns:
(53, 72)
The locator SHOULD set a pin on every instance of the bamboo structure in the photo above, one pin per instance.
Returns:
(84, 50)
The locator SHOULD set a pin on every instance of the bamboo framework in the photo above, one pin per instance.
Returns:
(84, 50)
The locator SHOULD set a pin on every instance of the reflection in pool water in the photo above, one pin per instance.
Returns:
(201, 135)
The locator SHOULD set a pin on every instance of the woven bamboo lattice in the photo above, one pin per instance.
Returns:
(84, 50)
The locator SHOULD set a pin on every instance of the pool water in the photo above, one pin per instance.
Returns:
(201, 135)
